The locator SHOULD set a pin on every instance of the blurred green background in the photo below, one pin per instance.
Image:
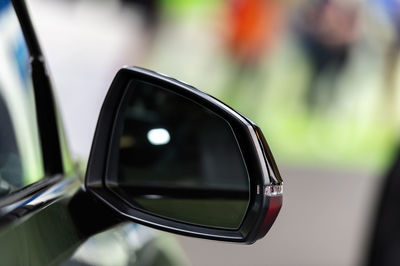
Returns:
(353, 121)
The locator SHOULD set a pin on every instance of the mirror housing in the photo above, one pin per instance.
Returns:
(264, 181)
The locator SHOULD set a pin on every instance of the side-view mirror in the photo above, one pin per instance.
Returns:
(171, 157)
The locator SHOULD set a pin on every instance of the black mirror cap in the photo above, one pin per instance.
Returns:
(264, 178)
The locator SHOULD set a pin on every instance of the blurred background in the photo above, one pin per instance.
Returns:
(321, 78)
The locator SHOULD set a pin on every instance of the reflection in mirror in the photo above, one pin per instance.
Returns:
(177, 159)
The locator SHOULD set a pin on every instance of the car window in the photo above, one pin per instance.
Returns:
(20, 153)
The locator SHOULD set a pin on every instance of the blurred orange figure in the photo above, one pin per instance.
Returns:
(253, 27)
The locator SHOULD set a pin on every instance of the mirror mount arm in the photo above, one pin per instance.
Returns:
(90, 215)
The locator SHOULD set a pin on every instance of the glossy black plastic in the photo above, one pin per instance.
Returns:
(263, 208)
(44, 98)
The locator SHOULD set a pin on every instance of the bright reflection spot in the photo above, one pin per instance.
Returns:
(158, 136)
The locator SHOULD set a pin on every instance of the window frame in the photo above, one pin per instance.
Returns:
(46, 114)
(47, 119)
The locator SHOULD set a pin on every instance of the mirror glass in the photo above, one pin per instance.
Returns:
(177, 159)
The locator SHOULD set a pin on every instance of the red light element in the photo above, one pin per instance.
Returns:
(275, 204)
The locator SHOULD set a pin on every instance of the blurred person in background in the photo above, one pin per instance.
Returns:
(253, 29)
(328, 29)
(253, 32)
